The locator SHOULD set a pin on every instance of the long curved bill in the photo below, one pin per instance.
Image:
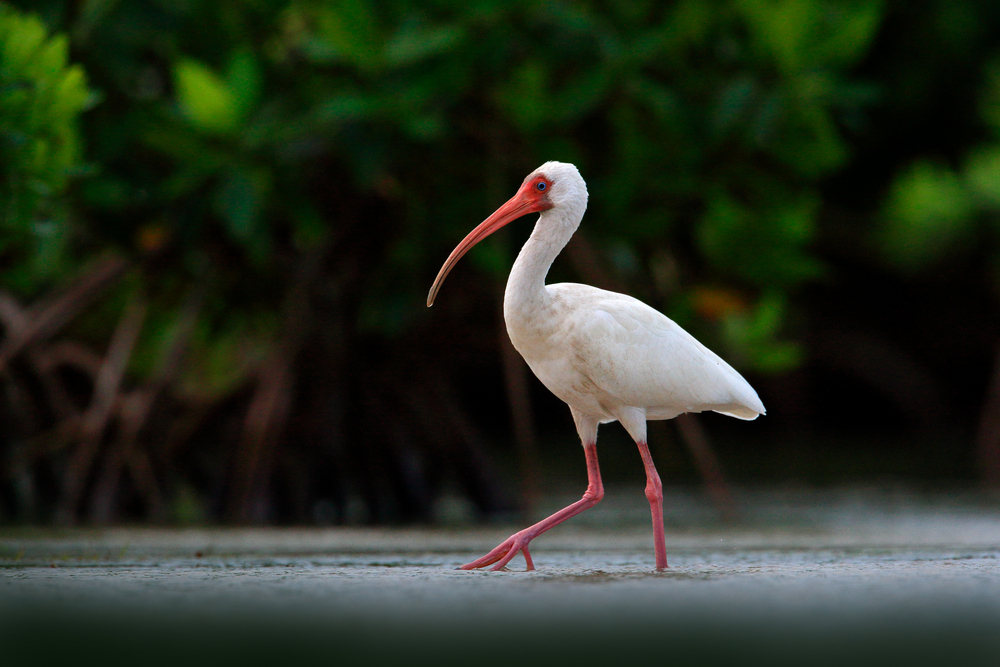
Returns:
(517, 206)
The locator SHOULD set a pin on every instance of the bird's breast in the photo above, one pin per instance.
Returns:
(546, 341)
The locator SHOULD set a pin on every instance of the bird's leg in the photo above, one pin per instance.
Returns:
(654, 493)
(502, 555)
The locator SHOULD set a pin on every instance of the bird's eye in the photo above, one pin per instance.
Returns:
(540, 186)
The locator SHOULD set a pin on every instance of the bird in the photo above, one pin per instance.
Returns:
(608, 356)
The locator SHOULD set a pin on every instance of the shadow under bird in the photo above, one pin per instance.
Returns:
(609, 356)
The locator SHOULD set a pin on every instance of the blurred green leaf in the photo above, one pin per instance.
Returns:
(414, 43)
(350, 29)
(582, 94)
(733, 101)
(819, 148)
(853, 26)
(659, 98)
(691, 22)
(205, 99)
(781, 27)
(345, 107)
(238, 201)
(989, 101)
(926, 213)
(767, 246)
(243, 81)
(524, 98)
(754, 336)
(41, 97)
(982, 175)
(803, 34)
(23, 36)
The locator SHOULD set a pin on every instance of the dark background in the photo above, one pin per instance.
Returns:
(221, 220)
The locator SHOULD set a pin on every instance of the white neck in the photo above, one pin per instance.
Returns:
(526, 292)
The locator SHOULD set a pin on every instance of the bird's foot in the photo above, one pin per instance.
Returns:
(504, 552)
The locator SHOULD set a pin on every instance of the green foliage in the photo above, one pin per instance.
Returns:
(926, 213)
(224, 352)
(288, 175)
(240, 138)
(206, 100)
(756, 336)
(41, 98)
(802, 35)
(766, 245)
(213, 104)
(933, 212)
(982, 176)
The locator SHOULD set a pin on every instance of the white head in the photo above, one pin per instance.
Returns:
(555, 186)
(566, 188)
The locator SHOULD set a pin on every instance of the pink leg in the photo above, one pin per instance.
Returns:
(519, 541)
(654, 493)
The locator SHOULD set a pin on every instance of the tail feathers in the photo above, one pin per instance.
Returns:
(741, 412)
(748, 406)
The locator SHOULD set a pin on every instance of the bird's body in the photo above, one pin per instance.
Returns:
(602, 352)
(609, 356)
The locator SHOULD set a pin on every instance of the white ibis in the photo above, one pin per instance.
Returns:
(608, 356)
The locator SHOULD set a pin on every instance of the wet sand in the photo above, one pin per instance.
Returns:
(894, 573)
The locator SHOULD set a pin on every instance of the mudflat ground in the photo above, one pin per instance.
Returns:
(852, 575)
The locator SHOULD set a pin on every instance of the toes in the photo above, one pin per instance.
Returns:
(490, 558)
(502, 564)
(514, 548)
(502, 555)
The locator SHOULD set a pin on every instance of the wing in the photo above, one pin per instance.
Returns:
(643, 359)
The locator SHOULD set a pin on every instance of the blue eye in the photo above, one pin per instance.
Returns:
(540, 186)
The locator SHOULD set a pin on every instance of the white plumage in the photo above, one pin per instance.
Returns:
(609, 356)
(600, 351)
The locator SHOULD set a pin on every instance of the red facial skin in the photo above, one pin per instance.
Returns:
(539, 198)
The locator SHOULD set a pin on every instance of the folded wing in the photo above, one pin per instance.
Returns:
(643, 359)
